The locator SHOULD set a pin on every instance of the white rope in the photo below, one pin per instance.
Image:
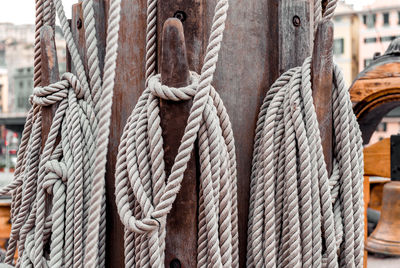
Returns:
(292, 199)
(145, 195)
(58, 191)
(298, 216)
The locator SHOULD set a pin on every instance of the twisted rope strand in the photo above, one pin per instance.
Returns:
(58, 193)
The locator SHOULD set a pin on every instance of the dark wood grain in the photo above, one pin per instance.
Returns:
(295, 32)
(181, 239)
(129, 84)
(321, 72)
(250, 61)
(50, 74)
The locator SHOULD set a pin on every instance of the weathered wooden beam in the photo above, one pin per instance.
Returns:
(50, 74)
(181, 238)
(322, 71)
(129, 85)
(295, 32)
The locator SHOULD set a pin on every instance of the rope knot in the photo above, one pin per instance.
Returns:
(173, 93)
(53, 93)
(56, 170)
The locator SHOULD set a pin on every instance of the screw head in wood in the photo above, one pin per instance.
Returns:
(175, 263)
(180, 15)
(79, 23)
(296, 21)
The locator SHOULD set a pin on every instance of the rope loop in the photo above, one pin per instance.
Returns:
(58, 192)
(56, 170)
(56, 92)
(172, 93)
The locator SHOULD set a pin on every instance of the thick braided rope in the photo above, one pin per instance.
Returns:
(98, 190)
(61, 175)
(143, 198)
(288, 161)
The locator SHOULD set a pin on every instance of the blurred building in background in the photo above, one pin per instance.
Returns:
(23, 84)
(360, 35)
(363, 33)
(345, 44)
(380, 24)
(20, 33)
(3, 90)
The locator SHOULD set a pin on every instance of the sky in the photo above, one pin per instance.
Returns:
(23, 11)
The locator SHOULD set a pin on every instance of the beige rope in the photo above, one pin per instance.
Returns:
(142, 196)
(298, 216)
(58, 192)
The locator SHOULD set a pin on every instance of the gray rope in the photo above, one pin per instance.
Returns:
(58, 190)
(292, 199)
(298, 217)
(142, 196)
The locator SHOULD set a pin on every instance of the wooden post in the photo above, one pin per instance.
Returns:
(129, 85)
(258, 45)
(179, 53)
(50, 74)
(322, 71)
(181, 239)
(295, 32)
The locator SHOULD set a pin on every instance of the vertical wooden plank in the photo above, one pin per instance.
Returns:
(191, 13)
(50, 74)
(252, 57)
(181, 238)
(322, 71)
(295, 32)
(129, 85)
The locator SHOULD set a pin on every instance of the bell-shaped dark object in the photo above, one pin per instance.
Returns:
(385, 239)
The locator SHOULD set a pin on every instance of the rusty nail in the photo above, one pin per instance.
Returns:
(175, 263)
(79, 23)
(180, 15)
(296, 21)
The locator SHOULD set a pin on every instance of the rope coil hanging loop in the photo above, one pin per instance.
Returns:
(298, 215)
(58, 202)
(145, 195)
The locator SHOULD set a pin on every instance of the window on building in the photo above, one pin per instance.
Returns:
(386, 19)
(365, 19)
(370, 20)
(367, 62)
(370, 40)
(21, 84)
(338, 46)
(382, 126)
(388, 38)
(337, 18)
(398, 16)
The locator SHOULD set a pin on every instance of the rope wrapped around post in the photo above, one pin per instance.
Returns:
(58, 191)
(299, 215)
(145, 195)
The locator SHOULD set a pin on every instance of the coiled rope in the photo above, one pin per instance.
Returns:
(144, 194)
(298, 215)
(58, 196)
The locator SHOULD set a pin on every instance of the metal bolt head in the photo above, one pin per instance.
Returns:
(175, 263)
(180, 15)
(79, 23)
(296, 21)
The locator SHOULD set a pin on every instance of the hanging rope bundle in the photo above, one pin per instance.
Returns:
(145, 195)
(298, 215)
(58, 202)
